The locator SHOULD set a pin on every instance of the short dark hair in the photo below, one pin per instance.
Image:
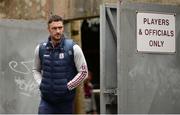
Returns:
(54, 18)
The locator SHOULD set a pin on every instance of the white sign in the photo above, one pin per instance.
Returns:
(155, 32)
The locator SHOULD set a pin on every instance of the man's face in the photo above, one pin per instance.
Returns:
(56, 30)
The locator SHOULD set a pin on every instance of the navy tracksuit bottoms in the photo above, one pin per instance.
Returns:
(60, 108)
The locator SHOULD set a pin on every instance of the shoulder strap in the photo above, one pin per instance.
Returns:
(68, 46)
(42, 47)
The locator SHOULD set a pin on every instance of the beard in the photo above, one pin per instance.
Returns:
(56, 37)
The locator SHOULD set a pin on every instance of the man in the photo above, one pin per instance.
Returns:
(59, 67)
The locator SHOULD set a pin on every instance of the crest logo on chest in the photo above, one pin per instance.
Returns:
(61, 56)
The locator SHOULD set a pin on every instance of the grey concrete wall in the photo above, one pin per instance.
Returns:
(19, 92)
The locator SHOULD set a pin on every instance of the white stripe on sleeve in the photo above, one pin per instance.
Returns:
(81, 66)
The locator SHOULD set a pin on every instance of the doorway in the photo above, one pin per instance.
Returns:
(90, 37)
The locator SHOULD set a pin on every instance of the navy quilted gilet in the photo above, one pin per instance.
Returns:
(58, 68)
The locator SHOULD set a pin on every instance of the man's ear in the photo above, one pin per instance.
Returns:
(48, 28)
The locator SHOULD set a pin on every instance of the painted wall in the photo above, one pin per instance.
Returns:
(41, 9)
